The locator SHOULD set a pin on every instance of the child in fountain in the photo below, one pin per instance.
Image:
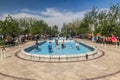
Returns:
(36, 44)
(77, 45)
(56, 41)
(50, 47)
(63, 44)
(57, 47)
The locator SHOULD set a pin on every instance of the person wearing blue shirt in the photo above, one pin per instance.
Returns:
(50, 47)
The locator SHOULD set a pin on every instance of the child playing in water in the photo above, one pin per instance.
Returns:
(36, 44)
(63, 44)
(50, 47)
(57, 47)
(77, 45)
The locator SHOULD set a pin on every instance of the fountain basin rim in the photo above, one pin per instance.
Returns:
(61, 56)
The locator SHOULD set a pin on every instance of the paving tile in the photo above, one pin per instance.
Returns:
(16, 68)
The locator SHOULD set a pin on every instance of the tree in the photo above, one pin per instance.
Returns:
(9, 26)
(54, 30)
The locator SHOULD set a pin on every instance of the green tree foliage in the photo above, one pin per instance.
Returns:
(14, 26)
(106, 22)
(9, 26)
(54, 30)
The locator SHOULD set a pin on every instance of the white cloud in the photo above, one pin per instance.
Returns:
(21, 15)
(51, 12)
(30, 11)
(104, 9)
(51, 15)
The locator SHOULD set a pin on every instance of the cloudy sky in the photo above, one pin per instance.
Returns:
(54, 12)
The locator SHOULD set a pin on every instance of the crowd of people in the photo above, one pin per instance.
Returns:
(14, 40)
(105, 40)
(21, 38)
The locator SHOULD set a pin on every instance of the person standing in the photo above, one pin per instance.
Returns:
(104, 41)
(36, 44)
(56, 41)
(118, 41)
(3, 52)
(50, 47)
(63, 44)
(77, 45)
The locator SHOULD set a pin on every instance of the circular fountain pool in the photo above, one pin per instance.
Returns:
(69, 53)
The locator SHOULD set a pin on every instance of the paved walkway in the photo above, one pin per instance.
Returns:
(104, 68)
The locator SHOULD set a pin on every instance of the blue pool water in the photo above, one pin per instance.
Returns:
(70, 49)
